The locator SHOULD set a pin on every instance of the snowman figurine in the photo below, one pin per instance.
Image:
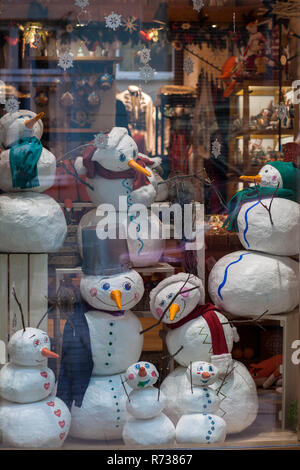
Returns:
(121, 177)
(26, 170)
(101, 340)
(201, 333)
(30, 417)
(147, 425)
(200, 424)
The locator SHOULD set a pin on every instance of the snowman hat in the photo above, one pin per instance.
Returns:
(192, 279)
(7, 120)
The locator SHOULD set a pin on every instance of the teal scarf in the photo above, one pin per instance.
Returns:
(23, 157)
(250, 194)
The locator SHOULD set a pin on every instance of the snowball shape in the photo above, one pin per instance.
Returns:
(141, 374)
(149, 432)
(36, 221)
(246, 283)
(202, 373)
(25, 347)
(145, 403)
(200, 429)
(199, 400)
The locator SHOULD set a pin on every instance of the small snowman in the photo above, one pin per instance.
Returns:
(30, 417)
(199, 424)
(26, 170)
(117, 172)
(147, 425)
(200, 331)
(101, 340)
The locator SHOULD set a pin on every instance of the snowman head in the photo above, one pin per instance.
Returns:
(190, 293)
(119, 153)
(113, 293)
(141, 375)
(268, 176)
(202, 373)
(30, 347)
(18, 125)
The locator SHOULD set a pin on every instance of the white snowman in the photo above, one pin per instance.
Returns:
(30, 416)
(121, 177)
(26, 170)
(101, 340)
(147, 425)
(200, 424)
(201, 333)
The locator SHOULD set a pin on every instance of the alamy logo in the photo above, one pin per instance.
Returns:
(296, 354)
(296, 91)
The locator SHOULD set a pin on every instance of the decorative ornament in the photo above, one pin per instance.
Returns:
(188, 66)
(113, 21)
(12, 105)
(82, 3)
(106, 81)
(84, 17)
(216, 148)
(185, 26)
(65, 61)
(41, 98)
(93, 99)
(282, 111)
(130, 24)
(67, 99)
(198, 5)
(101, 141)
(37, 41)
(145, 55)
(147, 73)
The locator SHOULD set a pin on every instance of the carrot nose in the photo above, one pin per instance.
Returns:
(133, 164)
(116, 296)
(142, 372)
(251, 179)
(47, 353)
(31, 122)
(173, 309)
(205, 375)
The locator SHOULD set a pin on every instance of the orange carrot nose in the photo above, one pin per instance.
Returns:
(47, 353)
(173, 309)
(31, 122)
(142, 372)
(116, 296)
(133, 164)
(205, 375)
(251, 179)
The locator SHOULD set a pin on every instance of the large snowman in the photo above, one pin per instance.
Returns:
(121, 177)
(201, 333)
(101, 340)
(261, 278)
(26, 170)
(30, 415)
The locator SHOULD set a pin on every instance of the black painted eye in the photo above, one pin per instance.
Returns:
(127, 286)
(134, 154)
(162, 303)
(122, 157)
(170, 295)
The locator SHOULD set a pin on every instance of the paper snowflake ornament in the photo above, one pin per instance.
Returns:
(145, 55)
(101, 141)
(84, 17)
(130, 24)
(282, 111)
(197, 5)
(147, 73)
(65, 61)
(216, 148)
(82, 3)
(12, 105)
(188, 66)
(113, 21)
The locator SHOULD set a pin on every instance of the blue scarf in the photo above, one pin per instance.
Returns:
(23, 157)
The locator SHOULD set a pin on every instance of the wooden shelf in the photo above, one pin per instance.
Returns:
(261, 133)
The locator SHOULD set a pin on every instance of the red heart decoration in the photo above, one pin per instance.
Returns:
(47, 385)
(57, 413)
(44, 374)
(50, 403)
(62, 435)
(62, 423)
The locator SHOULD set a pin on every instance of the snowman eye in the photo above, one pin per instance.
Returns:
(36, 342)
(105, 286)
(170, 296)
(127, 286)
(134, 154)
(162, 303)
(210, 369)
(137, 366)
(147, 366)
(122, 157)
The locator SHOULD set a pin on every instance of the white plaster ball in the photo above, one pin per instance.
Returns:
(202, 373)
(31, 223)
(199, 400)
(195, 337)
(145, 403)
(246, 283)
(25, 384)
(199, 428)
(116, 341)
(256, 232)
(25, 347)
(41, 425)
(141, 375)
(103, 412)
(46, 171)
(149, 432)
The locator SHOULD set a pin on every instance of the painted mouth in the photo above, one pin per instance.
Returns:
(113, 305)
(142, 384)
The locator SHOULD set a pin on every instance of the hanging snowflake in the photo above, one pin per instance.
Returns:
(197, 5)
(82, 3)
(113, 21)
(101, 141)
(147, 73)
(145, 55)
(130, 24)
(12, 105)
(282, 111)
(188, 66)
(65, 61)
(216, 148)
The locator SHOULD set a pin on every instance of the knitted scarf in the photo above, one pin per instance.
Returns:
(23, 157)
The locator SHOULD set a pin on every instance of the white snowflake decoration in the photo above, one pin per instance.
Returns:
(113, 21)
(12, 105)
(130, 24)
(65, 61)
(82, 3)
(282, 111)
(145, 55)
(197, 5)
(101, 141)
(188, 66)
(216, 148)
(147, 73)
